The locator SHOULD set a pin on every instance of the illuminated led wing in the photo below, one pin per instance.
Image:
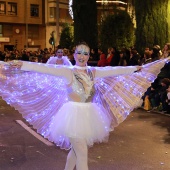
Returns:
(36, 96)
(120, 95)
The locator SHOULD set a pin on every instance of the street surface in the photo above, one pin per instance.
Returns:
(141, 142)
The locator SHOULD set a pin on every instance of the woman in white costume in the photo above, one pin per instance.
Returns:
(59, 59)
(93, 104)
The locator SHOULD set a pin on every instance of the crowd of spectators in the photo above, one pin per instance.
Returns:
(157, 96)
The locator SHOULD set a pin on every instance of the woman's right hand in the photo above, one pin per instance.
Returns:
(139, 68)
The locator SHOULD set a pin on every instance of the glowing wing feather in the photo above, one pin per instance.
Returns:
(36, 96)
(122, 94)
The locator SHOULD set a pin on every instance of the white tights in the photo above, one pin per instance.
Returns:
(78, 155)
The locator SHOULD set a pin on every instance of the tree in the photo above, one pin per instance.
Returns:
(66, 38)
(152, 23)
(168, 19)
(85, 21)
(117, 30)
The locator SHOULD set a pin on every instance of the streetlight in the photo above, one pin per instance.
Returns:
(57, 22)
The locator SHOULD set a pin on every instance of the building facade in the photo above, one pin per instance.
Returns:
(22, 24)
(55, 18)
(29, 23)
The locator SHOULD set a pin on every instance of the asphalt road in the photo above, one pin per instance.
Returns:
(141, 142)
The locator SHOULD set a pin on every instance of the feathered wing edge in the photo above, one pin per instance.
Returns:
(38, 97)
(121, 94)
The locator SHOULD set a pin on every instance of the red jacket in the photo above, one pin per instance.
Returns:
(102, 62)
(109, 59)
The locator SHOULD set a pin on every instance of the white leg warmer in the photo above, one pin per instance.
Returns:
(80, 152)
(71, 160)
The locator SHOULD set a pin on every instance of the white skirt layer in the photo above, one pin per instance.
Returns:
(79, 120)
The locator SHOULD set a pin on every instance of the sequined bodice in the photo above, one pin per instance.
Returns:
(81, 89)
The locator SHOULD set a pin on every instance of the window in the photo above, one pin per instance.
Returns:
(12, 8)
(34, 10)
(33, 31)
(8, 30)
(52, 12)
(2, 7)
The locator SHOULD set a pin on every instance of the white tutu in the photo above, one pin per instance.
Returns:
(79, 120)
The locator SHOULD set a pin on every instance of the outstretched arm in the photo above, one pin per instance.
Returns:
(56, 70)
(115, 71)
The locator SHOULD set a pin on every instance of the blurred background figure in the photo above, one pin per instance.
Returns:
(146, 58)
(156, 53)
(109, 55)
(102, 61)
(115, 58)
(59, 59)
(166, 51)
(134, 58)
(168, 100)
(122, 60)
(94, 54)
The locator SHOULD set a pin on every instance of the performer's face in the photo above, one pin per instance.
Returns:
(81, 55)
(59, 53)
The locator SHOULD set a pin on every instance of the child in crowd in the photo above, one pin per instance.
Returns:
(168, 99)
